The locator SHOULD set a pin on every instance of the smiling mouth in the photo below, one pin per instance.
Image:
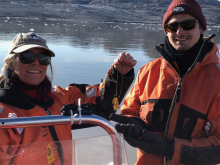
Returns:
(181, 38)
(34, 71)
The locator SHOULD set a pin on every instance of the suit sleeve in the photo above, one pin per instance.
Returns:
(108, 91)
(101, 95)
(132, 104)
(201, 151)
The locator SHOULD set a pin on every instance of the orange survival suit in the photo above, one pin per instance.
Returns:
(49, 145)
(195, 118)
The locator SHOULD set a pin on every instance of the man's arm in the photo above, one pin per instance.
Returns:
(116, 83)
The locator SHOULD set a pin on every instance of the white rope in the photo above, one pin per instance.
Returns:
(72, 117)
(79, 109)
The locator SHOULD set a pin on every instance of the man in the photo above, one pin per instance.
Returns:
(172, 112)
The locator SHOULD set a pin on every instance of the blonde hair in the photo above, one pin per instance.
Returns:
(7, 64)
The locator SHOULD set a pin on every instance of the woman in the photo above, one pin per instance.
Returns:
(26, 91)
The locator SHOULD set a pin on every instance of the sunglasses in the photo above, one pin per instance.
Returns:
(185, 25)
(28, 57)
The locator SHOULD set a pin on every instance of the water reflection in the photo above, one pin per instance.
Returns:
(114, 37)
(88, 47)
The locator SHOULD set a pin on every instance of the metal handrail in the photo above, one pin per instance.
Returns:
(61, 120)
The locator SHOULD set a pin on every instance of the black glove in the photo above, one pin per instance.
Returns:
(86, 109)
(132, 126)
(153, 144)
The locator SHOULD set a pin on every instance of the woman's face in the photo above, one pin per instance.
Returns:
(33, 73)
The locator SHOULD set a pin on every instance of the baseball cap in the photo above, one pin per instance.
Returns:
(26, 41)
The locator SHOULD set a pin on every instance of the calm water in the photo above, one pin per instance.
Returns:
(84, 50)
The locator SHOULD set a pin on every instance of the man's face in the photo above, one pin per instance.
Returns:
(182, 40)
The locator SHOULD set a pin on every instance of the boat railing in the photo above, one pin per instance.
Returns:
(61, 120)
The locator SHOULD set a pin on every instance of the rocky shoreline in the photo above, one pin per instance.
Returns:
(98, 12)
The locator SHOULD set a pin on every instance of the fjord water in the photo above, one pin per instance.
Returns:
(85, 50)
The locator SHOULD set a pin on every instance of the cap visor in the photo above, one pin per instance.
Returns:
(28, 47)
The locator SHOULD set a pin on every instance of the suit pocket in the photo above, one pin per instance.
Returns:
(155, 113)
(199, 129)
(188, 121)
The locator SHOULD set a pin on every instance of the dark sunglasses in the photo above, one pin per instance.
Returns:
(185, 25)
(28, 57)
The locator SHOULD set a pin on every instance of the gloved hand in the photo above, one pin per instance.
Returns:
(86, 109)
(132, 126)
(153, 144)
